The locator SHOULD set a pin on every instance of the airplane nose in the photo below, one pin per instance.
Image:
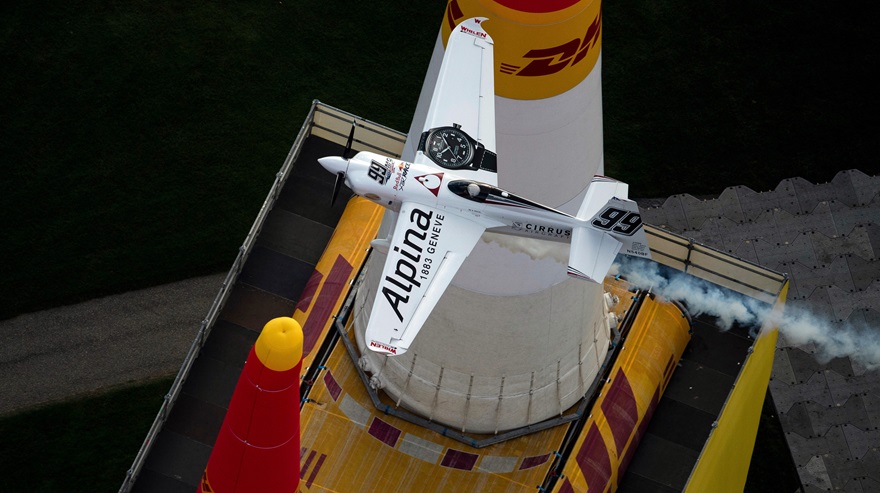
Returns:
(333, 164)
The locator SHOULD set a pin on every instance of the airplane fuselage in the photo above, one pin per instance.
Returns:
(390, 182)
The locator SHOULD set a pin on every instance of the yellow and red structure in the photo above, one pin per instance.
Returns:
(339, 264)
(348, 445)
(258, 446)
(543, 48)
(724, 462)
(628, 399)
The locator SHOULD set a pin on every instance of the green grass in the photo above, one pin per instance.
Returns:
(85, 445)
(139, 139)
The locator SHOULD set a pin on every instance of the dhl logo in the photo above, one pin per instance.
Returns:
(538, 57)
(454, 14)
(548, 61)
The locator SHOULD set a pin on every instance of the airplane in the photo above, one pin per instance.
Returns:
(448, 196)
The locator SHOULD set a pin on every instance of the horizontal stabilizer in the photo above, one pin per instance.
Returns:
(601, 190)
(607, 209)
(611, 224)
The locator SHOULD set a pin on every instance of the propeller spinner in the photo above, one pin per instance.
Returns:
(339, 165)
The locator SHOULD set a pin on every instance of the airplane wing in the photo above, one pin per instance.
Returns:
(463, 102)
(426, 250)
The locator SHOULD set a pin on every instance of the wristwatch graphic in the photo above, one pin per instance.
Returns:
(452, 148)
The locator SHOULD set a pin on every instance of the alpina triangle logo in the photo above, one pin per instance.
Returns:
(431, 182)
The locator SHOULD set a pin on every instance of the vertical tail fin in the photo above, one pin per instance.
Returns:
(611, 224)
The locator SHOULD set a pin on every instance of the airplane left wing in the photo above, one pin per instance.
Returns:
(426, 250)
(459, 130)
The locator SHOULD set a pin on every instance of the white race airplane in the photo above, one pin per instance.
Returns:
(448, 197)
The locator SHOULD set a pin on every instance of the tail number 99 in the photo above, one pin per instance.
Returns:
(617, 221)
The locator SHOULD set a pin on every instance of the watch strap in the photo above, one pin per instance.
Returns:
(484, 159)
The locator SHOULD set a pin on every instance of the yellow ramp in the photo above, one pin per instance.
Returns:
(350, 446)
(627, 401)
(724, 463)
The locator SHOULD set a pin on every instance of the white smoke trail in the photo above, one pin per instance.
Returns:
(859, 342)
(534, 248)
(798, 326)
(700, 296)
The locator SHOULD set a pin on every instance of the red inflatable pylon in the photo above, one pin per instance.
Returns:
(257, 449)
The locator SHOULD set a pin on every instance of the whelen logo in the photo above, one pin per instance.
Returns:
(472, 32)
(548, 61)
(383, 347)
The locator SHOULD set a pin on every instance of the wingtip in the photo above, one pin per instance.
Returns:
(381, 347)
(474, 27)
(572, 272)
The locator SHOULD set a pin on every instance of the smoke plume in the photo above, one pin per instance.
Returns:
(800, 327)
(534, 248)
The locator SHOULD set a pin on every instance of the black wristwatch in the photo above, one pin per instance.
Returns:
(452, 148)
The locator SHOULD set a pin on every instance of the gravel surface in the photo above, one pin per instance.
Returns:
(56, 354)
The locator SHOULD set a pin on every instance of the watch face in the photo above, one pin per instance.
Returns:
(449, 147)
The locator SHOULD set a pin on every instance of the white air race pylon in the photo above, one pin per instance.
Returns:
(514, 340)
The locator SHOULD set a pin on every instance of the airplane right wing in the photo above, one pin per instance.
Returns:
(459, 130)
(424, 253)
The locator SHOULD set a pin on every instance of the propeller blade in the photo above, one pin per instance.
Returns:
(340, 175)
(350, 140)
(340, 178)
